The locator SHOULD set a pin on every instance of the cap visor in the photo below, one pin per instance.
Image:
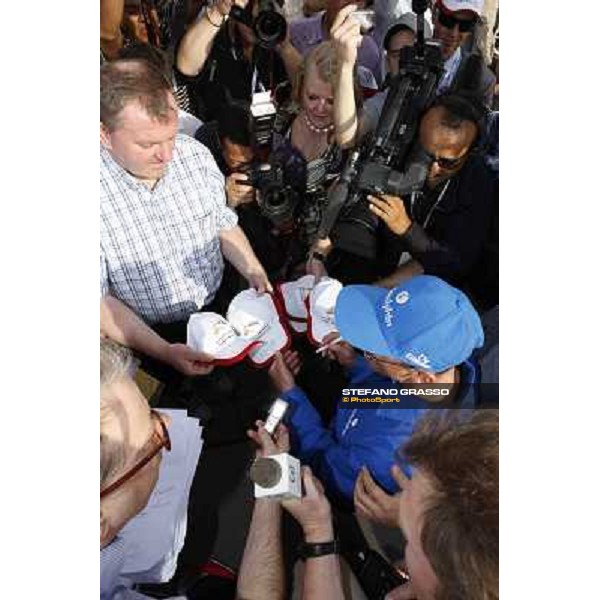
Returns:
(320, 329)
(356, 317)
(276, 340)
(234, 353)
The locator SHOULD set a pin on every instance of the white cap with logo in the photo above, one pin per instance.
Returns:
(321, 309)
(210, 333)
(475, 6)
(255, 315)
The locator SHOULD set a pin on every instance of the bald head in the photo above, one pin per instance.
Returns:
(447, 135)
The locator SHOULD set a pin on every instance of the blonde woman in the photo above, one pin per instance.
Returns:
(306, 142)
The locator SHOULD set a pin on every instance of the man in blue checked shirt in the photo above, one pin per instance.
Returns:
(165, 228)
(421, 332)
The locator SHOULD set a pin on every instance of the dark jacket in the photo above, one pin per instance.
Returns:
(454, 232)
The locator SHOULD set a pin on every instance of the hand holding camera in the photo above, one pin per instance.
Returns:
(391, 210)
(268, 444)
(238, 190)
(346, 35)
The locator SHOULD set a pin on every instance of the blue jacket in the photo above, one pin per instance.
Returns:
(361, 436)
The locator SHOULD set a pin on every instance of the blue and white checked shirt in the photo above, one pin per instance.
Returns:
(159, 249)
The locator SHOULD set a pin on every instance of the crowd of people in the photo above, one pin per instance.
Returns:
(226, 128)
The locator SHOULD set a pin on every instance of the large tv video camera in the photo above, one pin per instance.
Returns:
(390, 161)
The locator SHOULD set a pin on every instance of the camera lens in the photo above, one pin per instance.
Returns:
(274, 197)
(270, 28)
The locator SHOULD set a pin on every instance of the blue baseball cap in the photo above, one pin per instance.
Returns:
(424, 322)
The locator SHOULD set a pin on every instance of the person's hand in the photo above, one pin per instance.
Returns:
(268, 445)
(188, 361)
(373, 503)
(315, 267)
(282, 376)
(341, 351)
(403, 592)
(346, 36)
(258, 279)
(224, 6)
(391, 210)
(312, 511)
(238, 193)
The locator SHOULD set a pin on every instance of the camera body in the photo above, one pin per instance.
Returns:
(269, 25)
(276, 198)
(390, 161)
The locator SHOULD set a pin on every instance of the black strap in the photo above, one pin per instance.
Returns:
(374, 573)
(319, 549)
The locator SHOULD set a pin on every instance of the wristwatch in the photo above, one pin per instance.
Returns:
(320, 549)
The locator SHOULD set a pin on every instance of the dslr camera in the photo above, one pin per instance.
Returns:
(276, 197)
(269, 25)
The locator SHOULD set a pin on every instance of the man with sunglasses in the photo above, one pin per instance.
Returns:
(454, 23)
(147, 463)
(450, 227)
(419, 336)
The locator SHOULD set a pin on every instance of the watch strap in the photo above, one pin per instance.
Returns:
(319, 549)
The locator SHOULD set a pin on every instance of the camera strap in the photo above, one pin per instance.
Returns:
(440, 197)
(374, 573)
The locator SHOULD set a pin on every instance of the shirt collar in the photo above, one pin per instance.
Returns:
(118, 172)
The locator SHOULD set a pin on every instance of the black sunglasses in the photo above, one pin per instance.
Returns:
(464, 26)
(445, 163)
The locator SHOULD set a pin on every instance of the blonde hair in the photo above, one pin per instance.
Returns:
(324, 59)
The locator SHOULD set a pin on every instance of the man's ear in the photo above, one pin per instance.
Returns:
(426, 377)
(105, 136)
(106, 531)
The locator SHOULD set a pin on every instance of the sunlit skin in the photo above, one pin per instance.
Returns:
(317, 99)
(451, 39)
(412, 505)
(127, 421)
(237, 156)
(442, 142)
(140, 144)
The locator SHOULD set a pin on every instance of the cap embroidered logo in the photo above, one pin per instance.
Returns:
(421, 360)
(388, 311)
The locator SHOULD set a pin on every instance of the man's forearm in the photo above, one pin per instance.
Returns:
(261, 572)
(237, 250)
(402, 273)
(198, 41)
(344, 107)
(292, 59)
(111, 15)
(322, 577)
(121, 324)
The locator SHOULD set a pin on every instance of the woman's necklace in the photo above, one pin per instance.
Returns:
(314, 128)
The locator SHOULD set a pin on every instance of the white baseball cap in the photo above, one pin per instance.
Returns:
(293, 296)
(475, 6)
(321, 309)
(255, 315)
(210, 333)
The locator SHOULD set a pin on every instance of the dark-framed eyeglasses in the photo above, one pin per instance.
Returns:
(450, 22)
(160, 439)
